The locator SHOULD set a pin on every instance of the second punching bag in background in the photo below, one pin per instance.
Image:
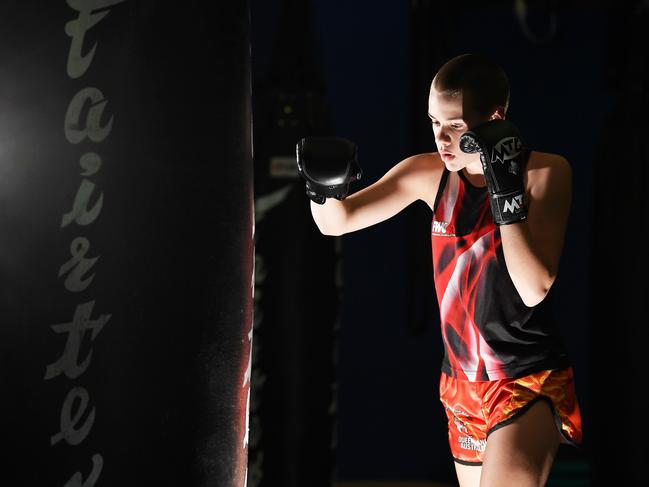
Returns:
(297, 275)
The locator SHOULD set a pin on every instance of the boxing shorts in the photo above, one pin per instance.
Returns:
(476, 409)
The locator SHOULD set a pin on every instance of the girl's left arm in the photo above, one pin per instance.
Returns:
(532, 248)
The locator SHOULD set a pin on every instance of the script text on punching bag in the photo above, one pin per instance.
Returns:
(76, 273)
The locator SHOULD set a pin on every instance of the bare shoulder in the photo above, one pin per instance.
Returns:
(426, 171)
(546, 169)
(426, 162)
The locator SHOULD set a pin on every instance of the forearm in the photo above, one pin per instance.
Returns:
(530, 275)
(330, 217)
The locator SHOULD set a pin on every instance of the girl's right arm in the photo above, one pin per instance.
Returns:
(414, 178)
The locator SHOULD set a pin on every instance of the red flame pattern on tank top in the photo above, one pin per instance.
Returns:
(488, 332)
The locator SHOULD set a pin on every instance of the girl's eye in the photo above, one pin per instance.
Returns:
(455, 126)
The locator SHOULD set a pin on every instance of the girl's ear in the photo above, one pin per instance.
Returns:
(498, 114)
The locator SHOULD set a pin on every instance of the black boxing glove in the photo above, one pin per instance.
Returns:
(328, 164)
(501, 154)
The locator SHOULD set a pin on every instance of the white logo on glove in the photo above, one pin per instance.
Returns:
(506, 149)
(513, 204)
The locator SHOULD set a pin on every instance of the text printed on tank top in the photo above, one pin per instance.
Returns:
(441, 228)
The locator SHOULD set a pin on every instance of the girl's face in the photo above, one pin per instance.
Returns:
(450, 119)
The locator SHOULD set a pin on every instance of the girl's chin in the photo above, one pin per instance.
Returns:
(453, 165)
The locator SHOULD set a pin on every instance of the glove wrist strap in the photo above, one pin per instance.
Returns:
(508, 207)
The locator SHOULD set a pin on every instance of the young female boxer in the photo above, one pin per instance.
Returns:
(499, 215)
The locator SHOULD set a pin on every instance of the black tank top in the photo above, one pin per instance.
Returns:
(487, 330)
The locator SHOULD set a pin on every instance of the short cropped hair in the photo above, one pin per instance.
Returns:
(482, 83)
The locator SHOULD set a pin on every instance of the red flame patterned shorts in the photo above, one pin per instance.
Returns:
(475, 409)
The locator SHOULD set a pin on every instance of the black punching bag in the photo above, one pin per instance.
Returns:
(126, 243)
